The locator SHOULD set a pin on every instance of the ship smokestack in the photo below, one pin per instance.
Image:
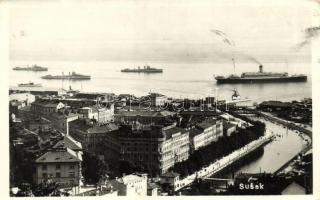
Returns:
(260, 68)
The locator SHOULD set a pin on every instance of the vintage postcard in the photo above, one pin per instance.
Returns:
(157, 98)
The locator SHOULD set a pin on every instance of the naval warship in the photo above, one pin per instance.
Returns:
(70, 76)
(34, 68)
(145, 69)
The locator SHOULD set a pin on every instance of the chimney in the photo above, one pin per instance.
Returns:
(260, 68)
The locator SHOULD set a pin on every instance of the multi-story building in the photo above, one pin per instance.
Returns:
(101, 97)
(144, 117)
(169, 180)
(229, 128)
(131, 185)
(100, 114)
(157, 99)
(45, 107)
(101, 140)
(156, 148)
(61, 121)
(204, 133)
(61, 165)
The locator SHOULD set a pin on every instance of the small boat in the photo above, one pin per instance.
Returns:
(30, 84)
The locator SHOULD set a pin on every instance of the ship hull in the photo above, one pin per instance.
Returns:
(262, 80)
(66, 78)
(28, 69)
(136, 71)
(37, 85)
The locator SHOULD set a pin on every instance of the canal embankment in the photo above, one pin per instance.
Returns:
(222, 163)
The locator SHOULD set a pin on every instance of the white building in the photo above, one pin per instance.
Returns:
(131, 185)
(157, 99)
(101, 114)
(175, 148)
(205, 133)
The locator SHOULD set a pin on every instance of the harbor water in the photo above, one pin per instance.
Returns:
(179, 80)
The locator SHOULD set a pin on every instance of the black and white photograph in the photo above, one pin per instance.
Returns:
(142, 98)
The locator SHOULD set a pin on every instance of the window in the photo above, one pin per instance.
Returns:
(58, 175)
(44, 167)
(71, 167)
(44, 175)
(71, 174)
(58, 166)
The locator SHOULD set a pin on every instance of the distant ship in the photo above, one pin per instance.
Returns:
(30, 84)
(261, 77)
(70, 76)
(145, 69)
(35, 68)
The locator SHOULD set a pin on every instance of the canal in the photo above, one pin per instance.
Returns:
(287, 144)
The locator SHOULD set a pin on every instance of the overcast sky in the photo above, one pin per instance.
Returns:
(158, 30)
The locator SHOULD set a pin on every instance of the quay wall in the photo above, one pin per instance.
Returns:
(223, 162)
(285, 123)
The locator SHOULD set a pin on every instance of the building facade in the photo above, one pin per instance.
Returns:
(156, 148)
(157, 99)
(100, 114)
(44, 107)
(100, 140)
(131, 185)
(204, 133)
(61, 165)
(143, 117)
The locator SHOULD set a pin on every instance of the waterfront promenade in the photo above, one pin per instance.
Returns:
(223, 162)
(286, 123)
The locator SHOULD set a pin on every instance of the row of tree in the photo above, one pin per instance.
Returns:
(216, 150)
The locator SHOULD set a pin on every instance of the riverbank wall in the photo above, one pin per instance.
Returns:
(286, 123)
(220, 164)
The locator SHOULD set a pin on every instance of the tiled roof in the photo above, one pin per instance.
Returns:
(170, 174)
(152, 185)
(170, 131)
(95, 109)
(207, 123)
(103, 129)
(45, 103)
(195, 131)
(69, 142)
(59, 155)
(129, 178)
(145, 113)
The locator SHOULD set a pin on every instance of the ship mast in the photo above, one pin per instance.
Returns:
(234, 66)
